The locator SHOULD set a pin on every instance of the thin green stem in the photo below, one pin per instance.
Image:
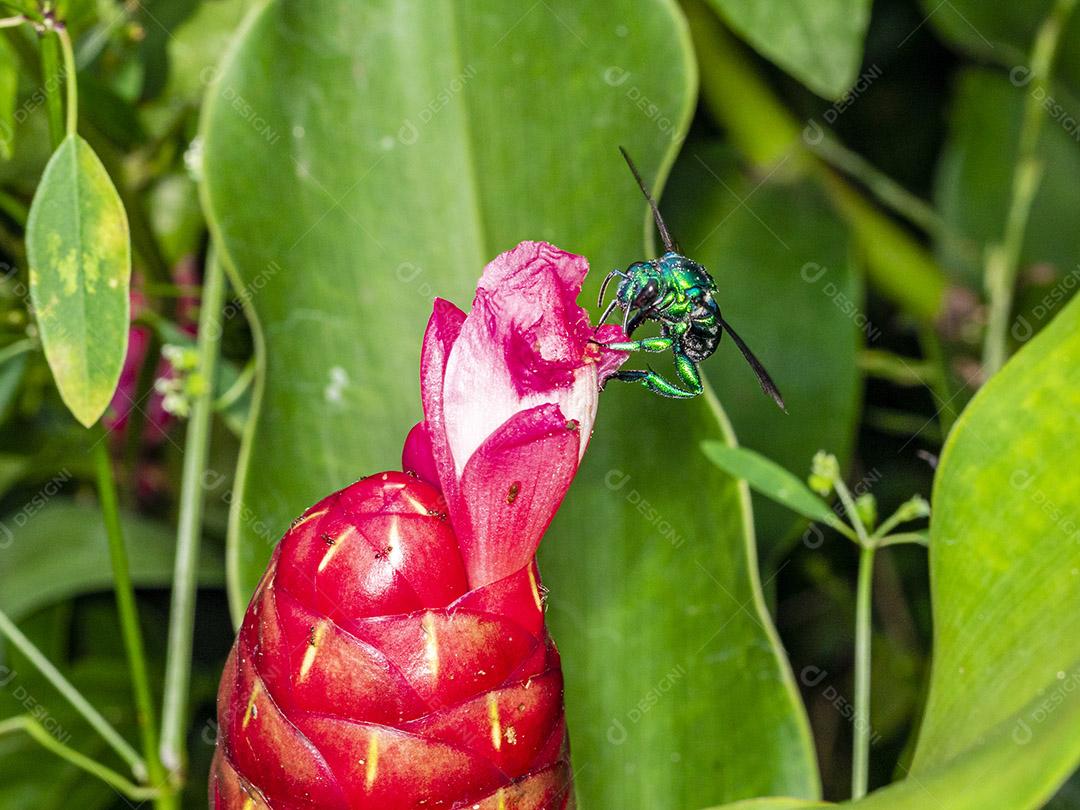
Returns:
(852, 512)
(14, 208)
(72, 695)
(884, 189)
(904, 538)
(15, 349)
(897, 369)
(40, 734)
(128, 613)
(236, 390)
(52, 79)
(71, 78)
(947, 397)
(1003, 260)
(860, 757)
(887, 525)
(189, 531)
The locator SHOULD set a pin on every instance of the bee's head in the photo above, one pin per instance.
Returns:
(641, 287)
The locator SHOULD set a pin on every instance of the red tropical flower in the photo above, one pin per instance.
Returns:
(395, 654)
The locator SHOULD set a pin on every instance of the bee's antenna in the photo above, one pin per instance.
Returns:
(669, 243)
(603, 287)
(607, 312)
(767, 385)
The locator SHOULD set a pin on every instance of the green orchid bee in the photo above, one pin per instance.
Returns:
(680, 295)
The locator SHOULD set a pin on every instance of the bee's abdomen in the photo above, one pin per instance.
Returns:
(701, 340)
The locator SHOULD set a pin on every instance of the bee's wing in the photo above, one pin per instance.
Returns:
(767, 384)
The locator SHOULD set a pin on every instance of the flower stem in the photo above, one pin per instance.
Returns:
(1003, 260)
(129, 618)
(51, 75)
(71, 79)
(852, 512)
(885, 190)
(192, 496)
(110, 777)
(860, 757)
(73, 696)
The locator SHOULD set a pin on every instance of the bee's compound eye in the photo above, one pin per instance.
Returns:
(647, 296)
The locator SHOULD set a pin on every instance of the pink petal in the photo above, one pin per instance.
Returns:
(525, 343)
(417, 456)
(512, 486)
(443, 329)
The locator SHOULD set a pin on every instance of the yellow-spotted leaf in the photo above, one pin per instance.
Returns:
(79, 251)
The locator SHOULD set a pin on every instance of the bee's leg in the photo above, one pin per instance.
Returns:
(649, 344)
(655, 383)
(686, 369)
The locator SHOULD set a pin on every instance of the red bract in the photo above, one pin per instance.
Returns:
(395, 654)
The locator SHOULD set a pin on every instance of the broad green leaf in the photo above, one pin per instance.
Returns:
(676, 682)
(770, 479)
(1004, 556)
(344, 205)
(974, 179)
(380, 202)
(819, 42)
(79, 251)
(9, 88)
(772, 803)
(58, 550)
(1016, 765)
(781, 260)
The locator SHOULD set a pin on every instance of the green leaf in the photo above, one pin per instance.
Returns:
(974, 178)
(819, 42)
(1004, 556)
(1017, 764)
(9, 89)
(678, 691)
(782, 263)
(398, 184)
(771, 480)
(381, 202)
(1005, 32)
(772, 803)
(55, 549)
(79, 252)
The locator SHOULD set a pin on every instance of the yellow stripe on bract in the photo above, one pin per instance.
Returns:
(338, 541)
(251, 704)
(496, 726)
(431, 643)
(500, 798)
(249, 803)
(372, 760)
(535, 590)
(306, 518)
(313, 647)
(420, 508)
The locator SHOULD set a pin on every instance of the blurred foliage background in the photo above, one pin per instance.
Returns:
(854, 175)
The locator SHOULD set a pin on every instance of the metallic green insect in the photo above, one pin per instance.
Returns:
(679, 294)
